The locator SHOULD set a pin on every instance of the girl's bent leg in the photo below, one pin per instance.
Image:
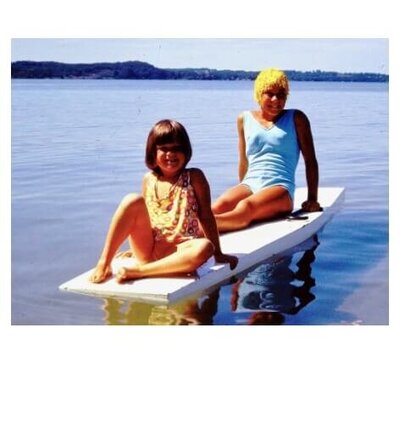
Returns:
(264, 205)
(229, 199)
(130, 219)
(188, 257)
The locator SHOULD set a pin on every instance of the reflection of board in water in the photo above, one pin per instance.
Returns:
(251, 245)
(275, 288)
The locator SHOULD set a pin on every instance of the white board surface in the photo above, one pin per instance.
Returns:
(251, 245)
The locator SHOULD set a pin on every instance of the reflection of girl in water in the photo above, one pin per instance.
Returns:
(267, 293)
(269, 290)
(198, 311)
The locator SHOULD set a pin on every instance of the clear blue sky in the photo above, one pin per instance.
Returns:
(328, 54)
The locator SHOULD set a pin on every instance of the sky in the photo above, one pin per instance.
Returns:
(253, 54)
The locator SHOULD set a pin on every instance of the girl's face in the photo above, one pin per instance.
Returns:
(273, 100)
(170, 159)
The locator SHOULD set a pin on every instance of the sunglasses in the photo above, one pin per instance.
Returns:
(172, 149)
(280, 95)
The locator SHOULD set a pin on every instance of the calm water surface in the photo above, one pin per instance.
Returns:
(78, 148)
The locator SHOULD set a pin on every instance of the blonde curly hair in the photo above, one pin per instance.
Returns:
(271, 78)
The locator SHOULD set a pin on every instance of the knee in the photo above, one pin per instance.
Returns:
(205, 251)
(245, 209)
(221, 205)
(131, 200)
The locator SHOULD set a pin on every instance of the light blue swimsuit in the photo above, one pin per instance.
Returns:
(272, 153)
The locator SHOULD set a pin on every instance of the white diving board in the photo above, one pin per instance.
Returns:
(251, 245)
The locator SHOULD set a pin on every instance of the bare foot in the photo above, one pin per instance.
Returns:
(100, 274)
(126, 273)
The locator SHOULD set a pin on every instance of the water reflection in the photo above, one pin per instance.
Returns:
(195, 311)
(273, 289)
(268, 292)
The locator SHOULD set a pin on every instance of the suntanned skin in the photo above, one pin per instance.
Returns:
(239, 206)
(131, 221)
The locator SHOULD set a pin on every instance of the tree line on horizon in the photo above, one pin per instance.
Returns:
(142, 70)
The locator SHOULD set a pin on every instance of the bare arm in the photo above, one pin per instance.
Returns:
(206, 216)
(243, 161)
(306, 144)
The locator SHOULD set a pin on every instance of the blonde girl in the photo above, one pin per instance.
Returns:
(270, 141)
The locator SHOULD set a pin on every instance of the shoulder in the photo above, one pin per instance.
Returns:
(196, 174)
(148, 177)
(300, 117)
(197, 178)
(146, 183)
(301, 121)
(199, 184)
(241, 119)
(242, 115)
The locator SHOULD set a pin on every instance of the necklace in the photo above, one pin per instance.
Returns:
(165, 201)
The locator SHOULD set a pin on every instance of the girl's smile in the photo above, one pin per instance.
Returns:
(273, 102)
(170, 158)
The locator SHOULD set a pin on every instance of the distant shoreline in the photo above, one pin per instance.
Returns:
(137, 70)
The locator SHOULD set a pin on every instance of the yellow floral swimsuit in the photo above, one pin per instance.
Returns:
(173, 218)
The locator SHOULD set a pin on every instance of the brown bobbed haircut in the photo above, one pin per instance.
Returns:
(166, 132)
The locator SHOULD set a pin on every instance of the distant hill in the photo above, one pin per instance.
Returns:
(143, 70)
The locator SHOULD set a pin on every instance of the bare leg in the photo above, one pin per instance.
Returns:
(187, 258)
(130, 219)
(264, 205)
(229, 199)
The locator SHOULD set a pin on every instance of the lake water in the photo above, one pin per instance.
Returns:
(78, 148)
